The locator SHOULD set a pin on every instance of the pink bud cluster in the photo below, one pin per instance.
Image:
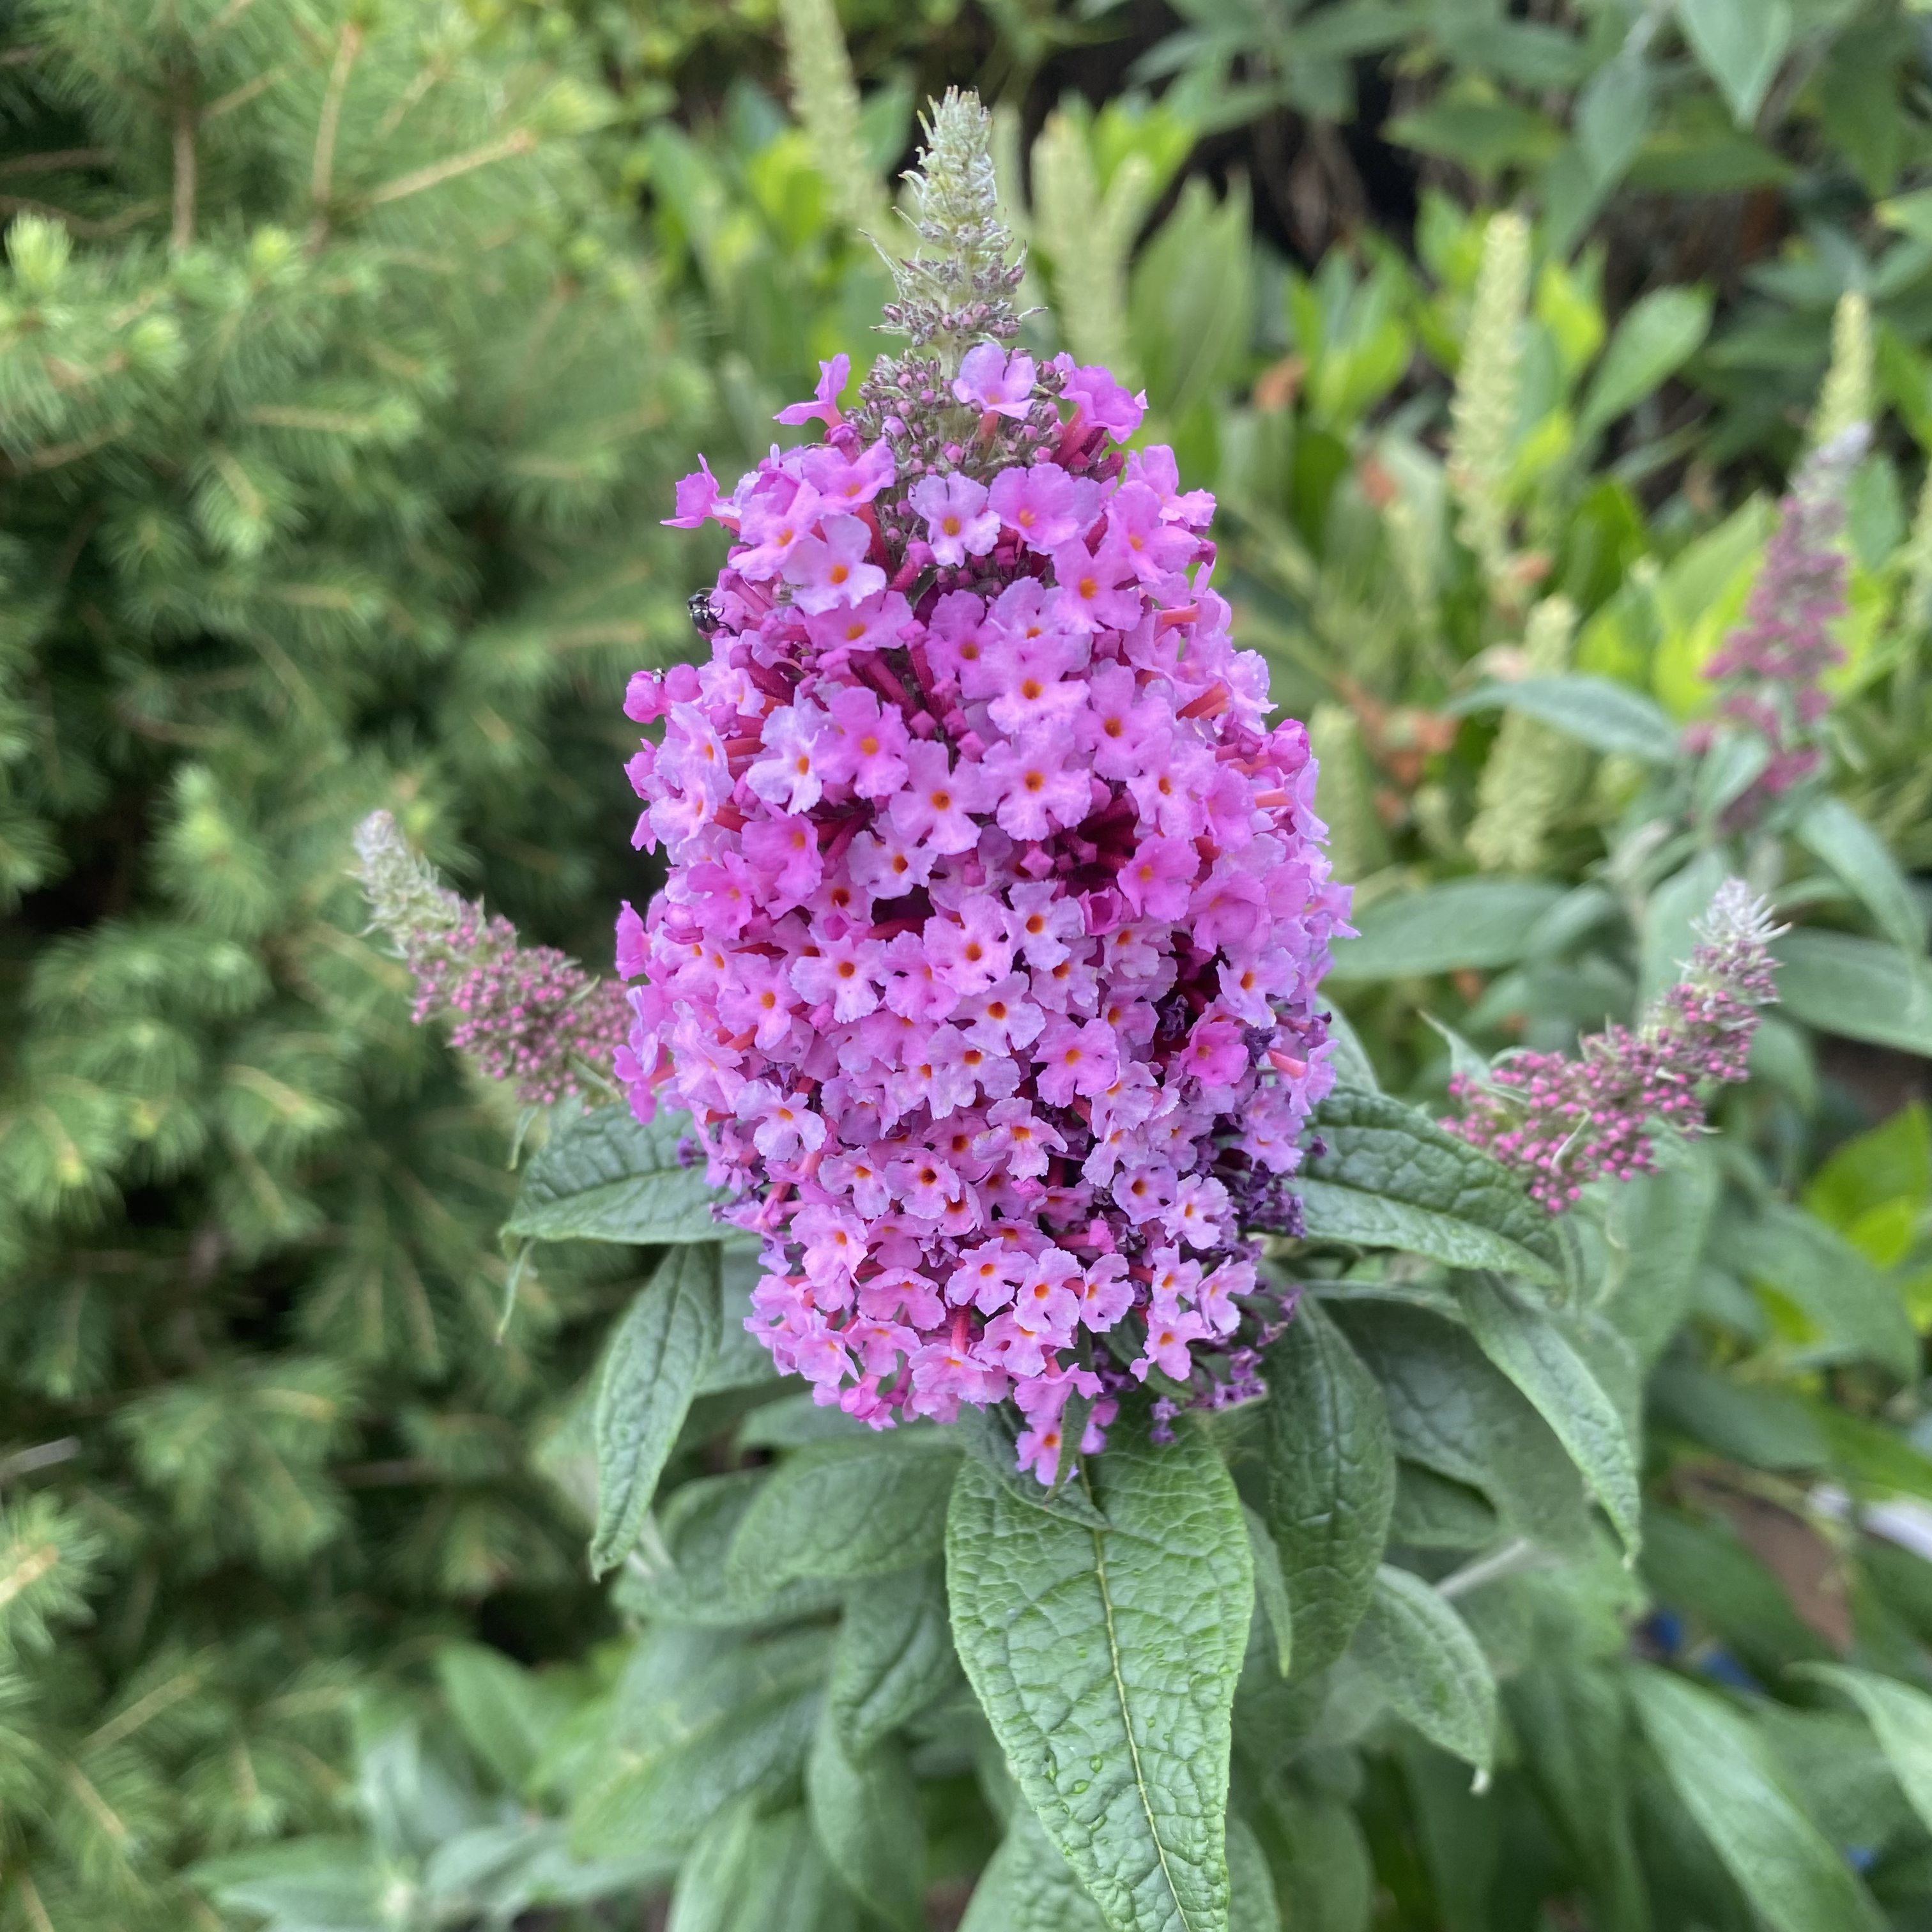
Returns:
(1768, 668)
(1561, 1124)
(529, 1014)
(987, 962)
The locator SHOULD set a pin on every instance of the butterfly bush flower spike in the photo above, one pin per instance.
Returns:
(528, 1014)
(1561, 1124)
(1769, 670)
(987, 961)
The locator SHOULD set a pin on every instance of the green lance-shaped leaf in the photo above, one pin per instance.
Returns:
(1863, 861)
(1106, 1660)
(1330, 1482)
(505, 1714)
(856, 1508)
(1724, 1775)
(1270, 1592)
(680, 1574)
(1571, 1720)
(739, 1722)
(1740, 43)
(1857, 1311)
(1319, 1859)
(865, 1812)
(1431, 1668)
(1657, 336)
(1477, 922)
(605, 1176)
(710, 1879)
(1529, 1346)
(1392, 1178)
(748, 1874)
(1253, 1906)
(1901, 1718)
(1451, 1410)
(894, 1655)
(1596, 711)
(655, 1361)
(1859, 988)
(1658, 1226)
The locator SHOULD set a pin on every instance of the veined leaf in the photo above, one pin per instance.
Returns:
(1725, 1777)
(680, 1574)
(1391, 1177)
(655, 1361)
(1251, 1899)
(1452, 1411)
(1330, 1482)
(1431, 1668)
(849, 1508)
(990, 1437)
(893, 1656)
(711, 1875)
(1531, 1349)
(605, 1176)
(505, 1713)
(739, 1724)
(1570, 1717)
(1319, 1859)
(754, 1874)
(1106, 1661)
(1596, 711)
(1658, 1222)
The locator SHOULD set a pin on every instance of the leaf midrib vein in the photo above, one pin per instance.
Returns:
(1127, 1724)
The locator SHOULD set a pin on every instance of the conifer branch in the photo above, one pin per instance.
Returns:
(51, 159)
(240, 97)
(322, 166)
(54, 455)
(225, 18)
(181, 235)
(521, 143)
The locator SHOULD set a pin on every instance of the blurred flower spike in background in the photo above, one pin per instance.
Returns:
(1562, 1122)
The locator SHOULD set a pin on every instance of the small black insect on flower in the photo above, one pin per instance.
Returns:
(706, 619)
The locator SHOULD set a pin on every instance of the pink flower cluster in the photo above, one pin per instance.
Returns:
(987, 962)
(1561, 1124)
(1768, 669)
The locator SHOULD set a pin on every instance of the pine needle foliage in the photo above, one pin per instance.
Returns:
(334, 407)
